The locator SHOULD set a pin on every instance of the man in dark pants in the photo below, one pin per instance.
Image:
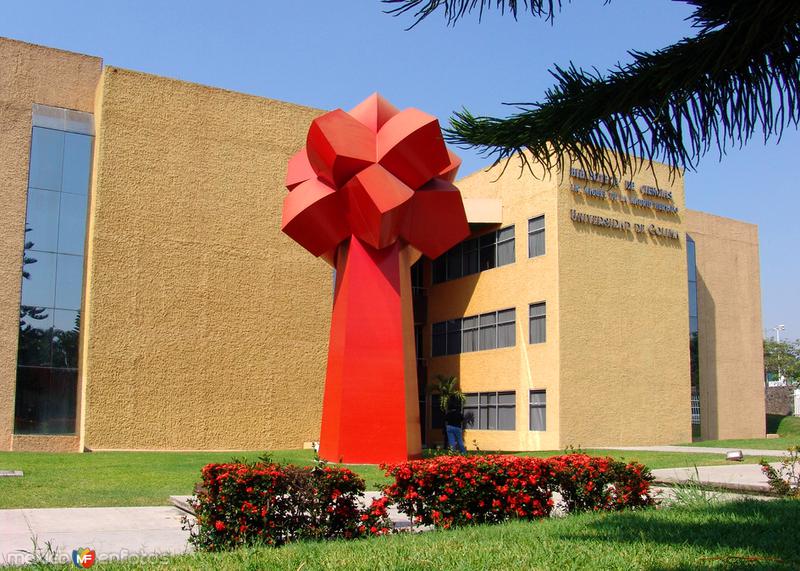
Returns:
(453, 420)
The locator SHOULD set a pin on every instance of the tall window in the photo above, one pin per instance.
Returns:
(538, 412)
(491, 411)
(52, 272)
(694, 357)
(491, 330)
(536, 237)
(475, 255)
(538, 322)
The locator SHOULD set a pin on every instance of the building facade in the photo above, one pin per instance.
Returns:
(160, 307)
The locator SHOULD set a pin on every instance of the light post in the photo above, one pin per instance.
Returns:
(777, 329)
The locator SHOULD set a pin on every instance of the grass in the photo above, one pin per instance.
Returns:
(787, 427)
(731, 535)
(149, 478)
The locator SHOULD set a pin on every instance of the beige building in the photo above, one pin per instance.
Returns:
(160, 306)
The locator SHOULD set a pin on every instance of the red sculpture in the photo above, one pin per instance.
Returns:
(370, 192)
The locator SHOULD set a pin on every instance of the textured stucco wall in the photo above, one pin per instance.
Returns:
(205, 326)
(28, 74)
(528, 280)
(624, 313)
(729, 327)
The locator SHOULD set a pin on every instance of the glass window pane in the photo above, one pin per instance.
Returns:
(471, 263)
(507, 316)
(538, 418)
(77, 163)
(536, 224)
(491, 418)
(471, 400)
(62, 402)
(69, 279)
(439, 339)
(454, 263)
(32, 385)
(536, 244)
(507, 398)
(506, 418)
(506, 335)
(693, 325)
(691, 258)
(538, 397)
(537, 309)
(40, 285)
(488, 255)
(454, 336)
(505, 253)
(35, 336)
(47, 158)
(488, 319)
(505, 234)
(439, 269)
(538, 326)
(42, 220)
(72, 224)
(66, 332)
(692, 299)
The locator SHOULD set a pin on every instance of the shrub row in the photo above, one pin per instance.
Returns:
(271, 504)
(266, 503)
(456, 490)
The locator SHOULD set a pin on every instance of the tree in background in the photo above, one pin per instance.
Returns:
(782, 359)
(736, 78)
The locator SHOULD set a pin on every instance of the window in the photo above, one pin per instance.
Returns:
(475, 255)
(490, 411)
(538, 322)
(536, 237)
(52, 275)
(538, 416)
(491, 330)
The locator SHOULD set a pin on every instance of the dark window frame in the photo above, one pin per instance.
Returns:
(482, 333)
(474, 413)
(536, 232)
(475, 255)
(537, 405)
(539, 317)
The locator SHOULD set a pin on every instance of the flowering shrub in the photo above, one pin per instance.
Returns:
(785, 480)
(456, 490)
(600, 483)
(239, 504)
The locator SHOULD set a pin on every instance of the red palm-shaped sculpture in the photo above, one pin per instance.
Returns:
(370, 192)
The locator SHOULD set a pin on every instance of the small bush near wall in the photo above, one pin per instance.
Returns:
(270, 504)
(456, 490)
(600, 483)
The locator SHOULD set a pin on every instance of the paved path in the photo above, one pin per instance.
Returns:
(696, 450)
(113, 533)
(736, 477)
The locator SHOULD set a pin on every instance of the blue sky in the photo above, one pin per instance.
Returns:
(333, 54)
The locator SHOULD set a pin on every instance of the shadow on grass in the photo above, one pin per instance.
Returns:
(773, 422)
(761, 534)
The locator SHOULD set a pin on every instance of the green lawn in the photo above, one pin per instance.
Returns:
(149, 478)
(735, 535)
(787, 427)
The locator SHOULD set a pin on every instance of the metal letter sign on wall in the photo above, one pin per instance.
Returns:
(370, 192)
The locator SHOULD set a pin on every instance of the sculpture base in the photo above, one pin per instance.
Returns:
(370, 410)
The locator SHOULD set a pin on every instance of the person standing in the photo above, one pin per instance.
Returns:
(454, 419)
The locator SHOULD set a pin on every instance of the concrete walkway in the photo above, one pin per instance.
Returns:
(696, 450)
(734, 477)
(114, 533)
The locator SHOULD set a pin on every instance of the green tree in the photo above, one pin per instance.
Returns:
(736, 78)
(782, 359)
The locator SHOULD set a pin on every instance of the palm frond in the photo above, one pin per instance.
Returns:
(738, 77)
(455, 10)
